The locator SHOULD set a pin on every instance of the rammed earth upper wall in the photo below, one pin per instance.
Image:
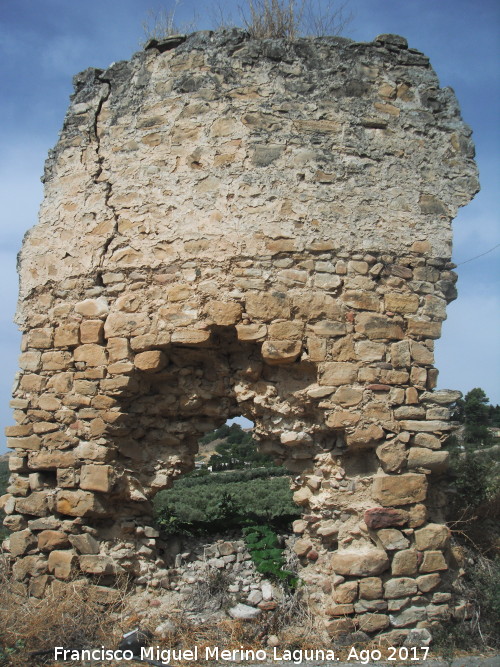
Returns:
(250, 147)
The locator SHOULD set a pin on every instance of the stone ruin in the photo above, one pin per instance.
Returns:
(245, 227)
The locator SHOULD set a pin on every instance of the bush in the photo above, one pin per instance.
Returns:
(263, 545)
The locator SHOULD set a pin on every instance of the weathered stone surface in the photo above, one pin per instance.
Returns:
(370, 588)
(384, 517)
(276, 352)
(400, 587)
(84, 544)
(79, 503)
(433, 561)
(399, 489)
(373, 622)
(365, 438)
(360, 563)
(48, 540)
(378, 327)
(335, 373)
(96, 478)
(151, 361)
(420, 457)
(433, 536)
(405, 563)
(346, 593)
(97, 564)
(243, 612)
(21, 542)
(61, 563)
(36, 504)
(392, 539)
(392, 455)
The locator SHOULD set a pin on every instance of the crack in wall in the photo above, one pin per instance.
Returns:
(108, 188)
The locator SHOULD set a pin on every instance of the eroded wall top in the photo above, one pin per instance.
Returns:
(225, 147)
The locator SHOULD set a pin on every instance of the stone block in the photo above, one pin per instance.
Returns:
(433, 536)
(346, 593)
(336, 373)
(278, 352)
(385, 517)
(401, 302)
(361, 300)
(92, 331)
(84, 543)
(405, 563)
(151, 361)
(421, 457)
(79, 503)
(291, 330)
(408, 617)
(400, 587)
(36, 504)
(428, 582)
(61, 563)
(48, 540)
(392, 455)
(93, 307)
(96, 478)
(403, 489)
(32, 443)
(378, 327)
(365, 438)
(41, 338)
(268, 306)
(46, 460)
(56, 361)
(121, 324)
(373, 622)
(190, 336)
(224, 313)
(98, 564)
(421, 354)
(427, 440)
(251, 331)
(433, 561)
(67, 335)
(424, 328)
(360, 563)
(21, 542)
(370, 588)
(392, 539)
(425, 426)
(91, 354)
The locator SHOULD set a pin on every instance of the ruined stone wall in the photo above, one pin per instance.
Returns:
(245, 227)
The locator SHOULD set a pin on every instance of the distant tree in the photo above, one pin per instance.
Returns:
(475, 413)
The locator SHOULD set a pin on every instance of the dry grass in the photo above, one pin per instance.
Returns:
(67, 616)
(289, 19)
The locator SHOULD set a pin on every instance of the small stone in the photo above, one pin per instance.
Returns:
(243, 612)
(392, 539)
(360, 563)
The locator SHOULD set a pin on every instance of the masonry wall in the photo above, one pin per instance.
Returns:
(245, 227)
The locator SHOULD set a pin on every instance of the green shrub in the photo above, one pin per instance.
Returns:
(263, 545)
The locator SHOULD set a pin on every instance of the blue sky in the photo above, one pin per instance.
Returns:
(43, 43)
